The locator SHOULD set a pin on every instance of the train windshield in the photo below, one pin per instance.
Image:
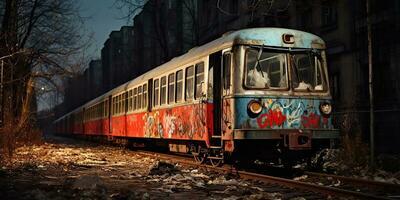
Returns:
(265, 69)
(268, 70)
(306, 71)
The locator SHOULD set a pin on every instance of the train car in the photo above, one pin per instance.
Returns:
(255, 93)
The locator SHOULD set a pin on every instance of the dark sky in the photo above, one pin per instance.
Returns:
(102, 18)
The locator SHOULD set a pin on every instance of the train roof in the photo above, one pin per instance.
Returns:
(271, 37)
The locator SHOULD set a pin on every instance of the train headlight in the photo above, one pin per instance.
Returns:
(254, 107)
(325, 108)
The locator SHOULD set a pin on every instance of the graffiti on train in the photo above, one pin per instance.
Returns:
(186, 122)
(283, 113)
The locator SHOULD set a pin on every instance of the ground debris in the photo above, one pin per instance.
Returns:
(71, 169)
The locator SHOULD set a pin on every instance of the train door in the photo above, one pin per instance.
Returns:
(214, 93)
(226, 100)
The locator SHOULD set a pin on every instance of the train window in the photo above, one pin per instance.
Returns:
(113, 106)
(107, 109)
(139, 97)
(171, 88)
(163, 91)
(130, 100)
(123, 102)
(189, 83)
(119, 104)
(179, 85)
(265, 69)
(155, 92)
(307, 73)
(135, 99)
(98, 108)
(199, 79)
(123, 108)
(210, 89)
(144, 102)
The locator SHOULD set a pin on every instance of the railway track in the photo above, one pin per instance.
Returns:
(382, 189)
(309, 188)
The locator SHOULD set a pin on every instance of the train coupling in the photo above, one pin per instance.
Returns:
(300, 140)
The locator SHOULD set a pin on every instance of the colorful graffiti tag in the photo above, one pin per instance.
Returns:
(290, 113)
(185, 122)
(271, 118)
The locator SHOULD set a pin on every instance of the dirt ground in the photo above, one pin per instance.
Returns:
(65, 168)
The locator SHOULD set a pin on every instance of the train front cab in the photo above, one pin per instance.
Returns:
(279, 104)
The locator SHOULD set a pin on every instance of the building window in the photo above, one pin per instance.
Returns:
(189, 83)
(233, 7)
(163, 91)
(155, 92)
(179, 85)
(199, 79)
(171, 88)
(329, 14)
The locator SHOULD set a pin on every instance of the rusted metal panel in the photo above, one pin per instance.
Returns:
(273, 37)
(118, 125)
(96, 127)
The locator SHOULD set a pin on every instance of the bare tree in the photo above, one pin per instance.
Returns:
(39, 40)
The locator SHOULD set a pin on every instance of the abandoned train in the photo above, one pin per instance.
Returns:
(259, 93)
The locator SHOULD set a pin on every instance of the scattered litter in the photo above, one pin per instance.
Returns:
(303, 177)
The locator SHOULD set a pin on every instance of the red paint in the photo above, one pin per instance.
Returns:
(187, 122)
(310, 121)
(271, 118)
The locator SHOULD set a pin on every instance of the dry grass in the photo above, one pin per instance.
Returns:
(354, 151)
(10, 140)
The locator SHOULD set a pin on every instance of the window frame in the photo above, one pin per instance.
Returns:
(191, 77)
(163, 88)
(244, 79)
(181, 81)
(171, 88)
(139, 93)
(145, 96)
(196, 84)
(156, 92)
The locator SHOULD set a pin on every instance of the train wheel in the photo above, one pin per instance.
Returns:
(199, 156)
(199, 159)
(215, 162)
